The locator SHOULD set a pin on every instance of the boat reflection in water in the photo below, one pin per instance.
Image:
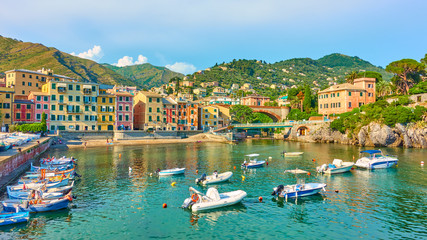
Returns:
(212, 216)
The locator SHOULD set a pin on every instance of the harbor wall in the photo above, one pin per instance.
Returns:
(14, 162)
(125, 135)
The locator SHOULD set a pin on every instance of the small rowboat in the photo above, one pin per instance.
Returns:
(25, 187)
(173, 171)
(292, 154)
(37, 206)
(50, 193)
(8, 218)
(212, 200)
(212, 179)
(337, 166)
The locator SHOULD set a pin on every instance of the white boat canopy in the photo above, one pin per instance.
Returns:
(296, 171)
(252, 155)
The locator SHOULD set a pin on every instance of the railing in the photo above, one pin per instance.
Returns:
(278, 123)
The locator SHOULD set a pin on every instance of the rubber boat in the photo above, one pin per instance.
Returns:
(50, 193)
(337, 166)
(301, 189)
(252, 161)
(292, 154)
(173, 171)
(8, 218)
(212, 179)
(37, 205)
(212, 200)
(376, 159)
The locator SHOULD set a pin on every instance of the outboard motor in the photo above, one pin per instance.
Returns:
(76, 174)
(202, 178)
(187, 203)
(277, 190)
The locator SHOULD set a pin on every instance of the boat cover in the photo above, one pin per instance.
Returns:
(371, 151)
(252, 155)
(213, 194)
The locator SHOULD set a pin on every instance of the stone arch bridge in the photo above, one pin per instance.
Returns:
(276, 113)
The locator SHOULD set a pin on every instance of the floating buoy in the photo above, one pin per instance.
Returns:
(353, 157)
(266, 163)
(234, 167)
(197, 171)
(309, 173)
(120, 155)
(422, 163)
(151, 174)
(260, 199)
(352, 168)
(165, 205)
(397, 165)
(337, 191)
(243, 178)
(173, 184)
(313, 160)
(270, 158)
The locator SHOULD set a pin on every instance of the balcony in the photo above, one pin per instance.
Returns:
(74, 111)
(87, 91)
(62, 89)
(87, 102)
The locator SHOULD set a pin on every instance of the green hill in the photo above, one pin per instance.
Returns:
(298, 71)
(145, 75)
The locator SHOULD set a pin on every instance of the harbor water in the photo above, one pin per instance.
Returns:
(118, 199)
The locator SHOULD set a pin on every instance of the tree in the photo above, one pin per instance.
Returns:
(44, 125)
(371, 74)
(307, 99)
(351, 76)
(271, 104)
(406, 73)
(300, 97)
(169, 91)
(176, 80)
(262, 118)
(242, 114)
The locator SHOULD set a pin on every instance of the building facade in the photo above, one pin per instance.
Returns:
(23, 111)
(148, 111)
(41, 102)
(254, 100)
(170, 110)
(106, 108)
(208, 117)
(124, 111)
(6, 104)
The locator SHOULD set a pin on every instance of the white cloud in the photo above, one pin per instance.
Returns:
(94, 54)
(127, 61)
(182, 67)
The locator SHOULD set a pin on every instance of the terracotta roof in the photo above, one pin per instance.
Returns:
(150, 94)
(123, 94)
(344, 86)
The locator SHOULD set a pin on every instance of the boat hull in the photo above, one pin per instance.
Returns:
(376, 164)
(254, 165)
(221, 178)
(308, 190)
(13, 218)
(51, 205)
(227, 199)
(169, 172)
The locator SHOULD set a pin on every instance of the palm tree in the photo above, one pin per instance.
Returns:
(351, 76)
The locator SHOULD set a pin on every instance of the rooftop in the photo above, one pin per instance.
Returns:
(339, 87)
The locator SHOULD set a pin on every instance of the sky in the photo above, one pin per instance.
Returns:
(190, 35)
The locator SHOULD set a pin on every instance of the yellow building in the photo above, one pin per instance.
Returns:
(6, 99)
(106, 110)
(148, 111)
(209, 117)
(73, 105)
(24, 81)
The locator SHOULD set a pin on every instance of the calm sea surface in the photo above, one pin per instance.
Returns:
(114, 203)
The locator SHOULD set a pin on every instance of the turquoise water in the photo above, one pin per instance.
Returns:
(113, 203)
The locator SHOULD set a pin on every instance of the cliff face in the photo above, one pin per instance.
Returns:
(373, 135)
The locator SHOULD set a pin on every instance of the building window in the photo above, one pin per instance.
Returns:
(150, 100)
(23, 75)
(52, 117)
(110, 118)
(39, 98)
(150, 118)
(149, 109)
(70, 87)
(127, 99)
(158, 110)
(46, 98)
(28, 116)
(7, 115)
(103, 100)
(320, 105)
(53, 107)
(28, 106)
(120, 99)
(120, 117)
(29, 84)
(70, 98)
(93, 108)
(18, 106)
(127, 117)
(338, 94)
(7, 95)
(53, 85)
(23, 91)
(349, 104)
(53, 97)
(86, 118)
(120, 107)
(110, 100)
(70, 117)
(158, 100)
(38, 106)
(61, 107)
(349, 93)
(127, 108)
(23, 83)
(18, 116)
(77, 116)
(77, 98)
(158, 118)
(361, 94)
(103, 118)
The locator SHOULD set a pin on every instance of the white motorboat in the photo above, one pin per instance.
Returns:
(337, 166)
(252, 161)
(213, 199)
(292, 154)
(212, 179)
(173, 171)
(301, 189)
(376, 159)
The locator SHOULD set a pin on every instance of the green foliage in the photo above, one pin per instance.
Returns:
(421, 87)
(43, 122)
(407, 73)
(261, 118)
(242, 114)
(371, 74)
(31, 127)
(307, 99)
(296, 114)
(271, 104)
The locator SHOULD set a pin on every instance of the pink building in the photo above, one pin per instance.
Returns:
(254, 100)
(41, 102)
(124, 111)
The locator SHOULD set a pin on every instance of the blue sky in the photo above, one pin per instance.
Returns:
(189, 35)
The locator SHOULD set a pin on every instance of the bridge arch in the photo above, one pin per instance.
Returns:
(273, 116)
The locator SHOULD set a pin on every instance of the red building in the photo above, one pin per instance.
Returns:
(170, 111)
(41, 102)
(182, 115)
(23, 111)
(192, 116)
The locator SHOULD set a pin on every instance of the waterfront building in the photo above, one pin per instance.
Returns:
(224, 117)
(192, 116)
(23, 110)
(170, 109)
(41, 102)
(6, 110)
(3, 82)
(344, 97)
(186, 96)
(148, 111)
(106, 109)
(73, 105)
(124, 111)
(208, 117)
(25, 81)
(119, 88)
(182, 114)
(254, 100)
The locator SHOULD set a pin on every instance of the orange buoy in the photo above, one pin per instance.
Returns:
(337, 191)
(309, 173)
(234, 167)
(313, 160)
(165, 205)
(120, 155)
(266, 163)
(260, 199)
(197, 171)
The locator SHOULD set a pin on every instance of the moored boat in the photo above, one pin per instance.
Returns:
(7, 218)
(376, 159)
(173, 171)
(292, 154)
(41, 205)
(337, 166)
(214, 178)
(49, 193)
(252, 161)
(212, 200)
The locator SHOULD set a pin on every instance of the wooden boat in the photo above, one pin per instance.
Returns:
(173, 171)
(252, 161)
(212, 179)
(48, 173)
(8, 218)
(35, 186)
(292, 154)
(301, 189)
(337, 166)
(212, 200)
(37, 205)
(49, 193)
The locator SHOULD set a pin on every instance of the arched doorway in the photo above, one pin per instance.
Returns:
(302, 131)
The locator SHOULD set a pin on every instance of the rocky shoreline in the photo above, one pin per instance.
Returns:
(373, 135)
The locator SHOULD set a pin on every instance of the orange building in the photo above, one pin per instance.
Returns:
(254, 100)
(344, 97)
